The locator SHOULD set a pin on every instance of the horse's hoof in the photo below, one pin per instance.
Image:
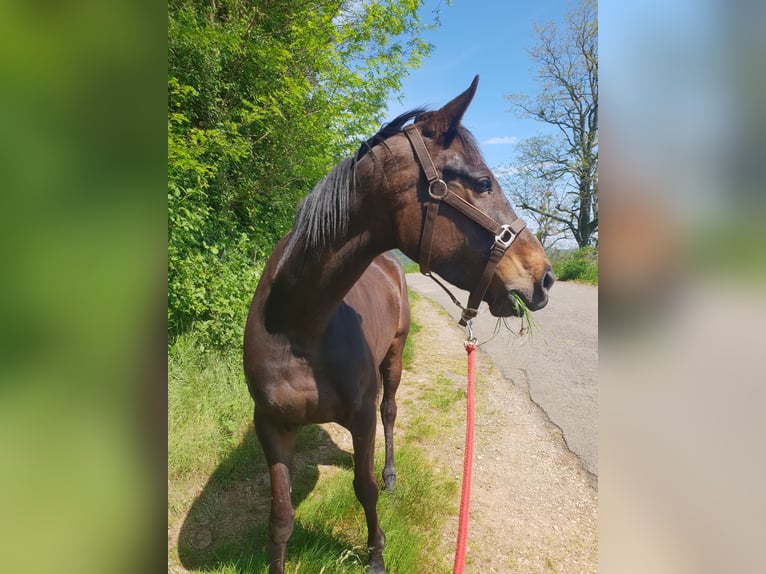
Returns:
(389, 481)
(376, 565)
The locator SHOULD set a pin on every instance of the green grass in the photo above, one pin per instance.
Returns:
(410, 266)
(208, 406)
(218, 493)
(411, 516)
(434, 404)
(580, 265)
(444, 395)
(526, 315)
(408, 354)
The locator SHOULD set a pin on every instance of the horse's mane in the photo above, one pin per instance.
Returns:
(322, 215)
(387, 130)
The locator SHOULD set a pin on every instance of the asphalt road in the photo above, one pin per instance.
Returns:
(557, 365)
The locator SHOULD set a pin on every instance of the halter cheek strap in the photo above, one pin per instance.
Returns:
(438, 193)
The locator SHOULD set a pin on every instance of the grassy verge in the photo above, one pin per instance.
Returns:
(580, 265)
(218, 493)
(408, 354)
(410, 266)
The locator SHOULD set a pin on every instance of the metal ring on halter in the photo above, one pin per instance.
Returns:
(431, 189)
(506, 237)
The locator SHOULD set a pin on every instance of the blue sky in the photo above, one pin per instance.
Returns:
(489, 38)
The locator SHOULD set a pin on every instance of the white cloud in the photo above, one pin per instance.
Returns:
(502, 140)
(505, 170)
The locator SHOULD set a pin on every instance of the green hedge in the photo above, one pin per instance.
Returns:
(580, 265)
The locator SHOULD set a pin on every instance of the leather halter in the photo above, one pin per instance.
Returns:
(439, 192)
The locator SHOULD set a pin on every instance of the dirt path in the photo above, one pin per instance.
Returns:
(533, 507)
(557, 365)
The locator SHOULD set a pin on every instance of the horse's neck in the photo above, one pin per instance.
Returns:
(309, 287)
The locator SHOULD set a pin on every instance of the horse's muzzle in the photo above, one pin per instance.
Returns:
(534, 299)
(539, 297)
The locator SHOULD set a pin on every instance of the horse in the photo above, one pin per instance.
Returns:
(330, 317)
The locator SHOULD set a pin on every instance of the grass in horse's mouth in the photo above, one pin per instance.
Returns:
(523, 311)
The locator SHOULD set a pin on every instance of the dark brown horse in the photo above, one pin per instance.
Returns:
(330, 317)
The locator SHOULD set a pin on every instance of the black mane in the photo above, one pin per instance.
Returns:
(391, 128)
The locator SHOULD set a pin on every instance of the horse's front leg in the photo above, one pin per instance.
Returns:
(365, 487)
(278, 445)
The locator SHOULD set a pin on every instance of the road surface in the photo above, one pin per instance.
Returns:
(557, 365)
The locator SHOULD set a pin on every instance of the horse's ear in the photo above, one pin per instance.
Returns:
(442, 124)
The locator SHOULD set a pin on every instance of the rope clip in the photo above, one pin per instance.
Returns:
(470, 342)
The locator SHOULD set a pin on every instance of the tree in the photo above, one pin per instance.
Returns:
(556, 177)
(532, 190)
(263, 99)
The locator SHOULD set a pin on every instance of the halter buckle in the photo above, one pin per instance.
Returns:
(506, 237)
(436, 196)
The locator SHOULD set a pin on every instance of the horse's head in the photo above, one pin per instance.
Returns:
(461, 242)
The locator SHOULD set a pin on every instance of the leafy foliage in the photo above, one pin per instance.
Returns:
(580, 265)
(263, 99)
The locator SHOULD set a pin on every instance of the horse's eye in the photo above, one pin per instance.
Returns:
(484, 185)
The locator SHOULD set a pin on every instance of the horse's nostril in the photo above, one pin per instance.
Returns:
(548, 280)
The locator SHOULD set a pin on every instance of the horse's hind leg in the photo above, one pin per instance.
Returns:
(391, 374)
(363, 433)
(278, 444)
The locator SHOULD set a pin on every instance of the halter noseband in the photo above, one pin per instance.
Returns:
(439, 192)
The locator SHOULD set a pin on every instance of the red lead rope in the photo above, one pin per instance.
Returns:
(465, 497)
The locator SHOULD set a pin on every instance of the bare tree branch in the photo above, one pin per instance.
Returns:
(567, 61)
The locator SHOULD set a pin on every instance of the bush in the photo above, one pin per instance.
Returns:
(211, 290)
(580, 265)
(262, 102)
